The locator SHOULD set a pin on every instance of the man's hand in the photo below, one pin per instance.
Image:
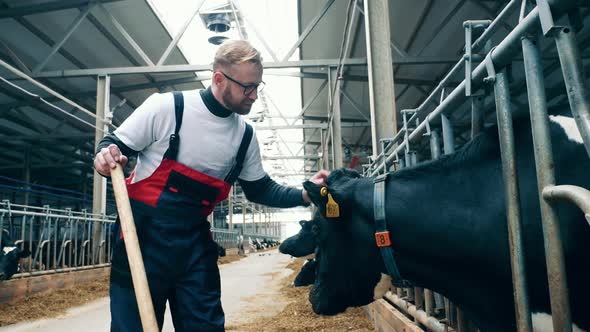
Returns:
(318, 178)
(108, 158)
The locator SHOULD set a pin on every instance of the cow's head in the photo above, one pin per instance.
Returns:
(302, 243)
(307, 273)
(350, 266)
(9, 257)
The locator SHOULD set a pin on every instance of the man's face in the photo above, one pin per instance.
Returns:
(232, 93)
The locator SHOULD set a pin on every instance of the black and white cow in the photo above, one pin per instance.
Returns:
(307, 274)
(9, 256)
(447, 220)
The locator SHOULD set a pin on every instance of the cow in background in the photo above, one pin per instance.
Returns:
(9, 256)
(447, 220)
(307, 274)
(302, 243)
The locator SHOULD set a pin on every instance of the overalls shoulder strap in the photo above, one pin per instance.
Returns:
(237, 167)
(172, 151)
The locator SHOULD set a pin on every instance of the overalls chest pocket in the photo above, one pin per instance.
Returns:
(181, 189)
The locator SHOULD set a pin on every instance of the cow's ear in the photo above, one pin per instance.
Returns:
(302, 222)
(314, 192)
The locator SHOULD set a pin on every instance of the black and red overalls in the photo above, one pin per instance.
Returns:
(170, 209)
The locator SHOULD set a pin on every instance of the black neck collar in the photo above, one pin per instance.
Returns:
(213, 105)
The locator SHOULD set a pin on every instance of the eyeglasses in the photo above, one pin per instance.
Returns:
(248, 89)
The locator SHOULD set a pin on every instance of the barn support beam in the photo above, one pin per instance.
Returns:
(69, 31)
(27, 173)
(99, 190)
(336, 124)
(380, 70)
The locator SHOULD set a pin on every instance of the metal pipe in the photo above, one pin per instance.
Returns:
(434, 144)
(574, 194)
(510, 175)
(501, 56)
(448, 136)
(407, 308)
(493, 27)
(573, 75)
(53, 271)
(543, 149)
(477, 115)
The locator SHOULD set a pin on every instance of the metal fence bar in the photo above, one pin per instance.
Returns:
(510, 175)
(573, 75)
(501, 56)
(52, 236)
(543, 151)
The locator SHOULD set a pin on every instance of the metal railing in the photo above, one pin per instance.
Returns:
(58, 240)
(540, 18)
(61, 240)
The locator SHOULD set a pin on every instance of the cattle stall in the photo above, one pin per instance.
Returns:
(490, 78)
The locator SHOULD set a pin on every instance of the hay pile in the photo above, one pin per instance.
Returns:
(58, 302)
(54, 304)
(298, 315)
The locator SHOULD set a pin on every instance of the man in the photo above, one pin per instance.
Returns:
(191, 146)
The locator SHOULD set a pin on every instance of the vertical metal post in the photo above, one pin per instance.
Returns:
(448, 136)
(99, 190)
(554, 256)
(230, 208)
(573, 75)
(428, 302)
(507, 149)
(336, 119)
(434, 144)
(477, 116)
(380, 70)
(325, 155)
(253, 223)
(27, 173)
(243, 217)
(418, 299)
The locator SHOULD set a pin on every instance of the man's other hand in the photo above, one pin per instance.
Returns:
(107, 158)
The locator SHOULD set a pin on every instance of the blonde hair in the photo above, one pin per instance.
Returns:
(235, 52)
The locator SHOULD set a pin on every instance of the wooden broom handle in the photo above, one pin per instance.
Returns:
(140, 283)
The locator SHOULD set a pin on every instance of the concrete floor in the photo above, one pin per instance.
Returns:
(249, 290)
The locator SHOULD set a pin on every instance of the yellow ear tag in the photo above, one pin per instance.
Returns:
(332, 208)
(324, 191)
